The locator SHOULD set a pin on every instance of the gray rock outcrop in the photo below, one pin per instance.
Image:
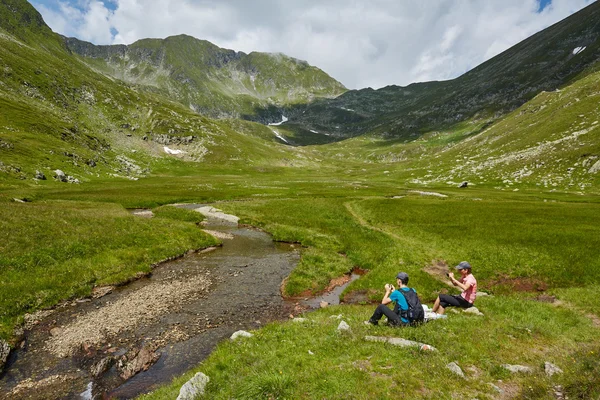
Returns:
(474, 311)
(399, 342)
(552, 369)
(60, 176)
(518, 368)
(464, 185)
(40, 176)
(194, 387)
(595, 168)
(455, 369)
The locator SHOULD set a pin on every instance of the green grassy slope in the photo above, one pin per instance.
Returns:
(210, 80)
(544, 61)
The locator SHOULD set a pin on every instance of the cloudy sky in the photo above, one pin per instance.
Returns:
(361, 43)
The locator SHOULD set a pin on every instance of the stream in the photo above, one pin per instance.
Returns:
(159, 326)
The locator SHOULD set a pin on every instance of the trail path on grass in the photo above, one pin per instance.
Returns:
(351, 209)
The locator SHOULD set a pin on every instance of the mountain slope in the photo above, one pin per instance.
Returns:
(57, 113)
(210, 80)
(545, 61)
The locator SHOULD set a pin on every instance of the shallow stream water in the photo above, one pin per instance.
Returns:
(244, 276)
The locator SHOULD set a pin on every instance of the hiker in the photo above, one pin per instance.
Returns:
(466, 282)
(407, 309)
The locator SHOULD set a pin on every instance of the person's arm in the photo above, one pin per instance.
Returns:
(386, 297)
(456, 282)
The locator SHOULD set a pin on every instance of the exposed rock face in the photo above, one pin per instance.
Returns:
(40, 176)
(595, 168)
(4, 352)
(194, 387)
(464, 184)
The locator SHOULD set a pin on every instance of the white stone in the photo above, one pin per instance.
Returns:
(455, 369)
(552, 369)
(473, 310)
(215, 213)
(344, 327)
(299, 320)
(194, 387)
(399, 342)
(518, 368)
(240, 334)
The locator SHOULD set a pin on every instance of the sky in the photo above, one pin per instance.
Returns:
(361, 43)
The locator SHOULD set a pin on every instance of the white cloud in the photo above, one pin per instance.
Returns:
(361, 43)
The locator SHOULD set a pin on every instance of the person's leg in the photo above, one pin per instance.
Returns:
(462, 302)
(382, 310)
(436, 305)
(445, 300)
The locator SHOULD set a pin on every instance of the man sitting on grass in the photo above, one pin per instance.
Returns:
(408, 308)
(467, 283)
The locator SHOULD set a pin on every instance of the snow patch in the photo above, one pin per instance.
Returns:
(347, 109)
(279, 135)
(171, 151)
(313, 131)
(283, 119)
(578, 50)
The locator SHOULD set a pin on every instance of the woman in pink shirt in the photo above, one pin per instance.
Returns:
(467, 283)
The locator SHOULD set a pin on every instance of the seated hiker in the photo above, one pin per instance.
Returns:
(466, 282)
(408, 308)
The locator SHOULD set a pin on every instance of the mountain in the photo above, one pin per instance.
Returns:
(59, 113)
(546, 61)
(210, 80)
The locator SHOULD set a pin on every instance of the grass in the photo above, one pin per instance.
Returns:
(313, 360)
(56, 250)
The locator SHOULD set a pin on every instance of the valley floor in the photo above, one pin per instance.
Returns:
(532, 251)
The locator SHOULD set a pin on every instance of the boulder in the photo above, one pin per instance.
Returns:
(4, 352)
(455, 369)
(194, 387)
(518, 368)
(463, 184)
(323, 304)
(399, 342)
(40, 176)
(136, 361)
(344, 327)
(60, 176)
(240, 334)
(552, 369)
(473, 310)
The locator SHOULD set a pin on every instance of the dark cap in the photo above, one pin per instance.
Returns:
(402, 276)
(463, 265)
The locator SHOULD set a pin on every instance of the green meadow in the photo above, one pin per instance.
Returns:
(65, 241)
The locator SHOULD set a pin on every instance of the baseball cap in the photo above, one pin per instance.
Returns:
(402, 276)
(463, 265)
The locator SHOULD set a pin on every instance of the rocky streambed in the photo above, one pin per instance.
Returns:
(130, 339)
